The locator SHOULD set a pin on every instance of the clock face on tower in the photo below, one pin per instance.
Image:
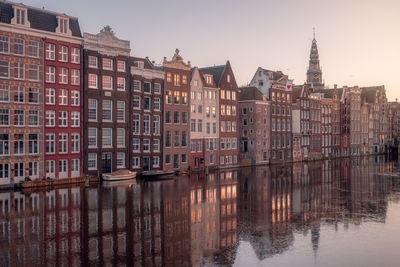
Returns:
(316, 76)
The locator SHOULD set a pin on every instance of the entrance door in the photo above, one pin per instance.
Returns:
(196, 163)
(146, 164)
(106, 163)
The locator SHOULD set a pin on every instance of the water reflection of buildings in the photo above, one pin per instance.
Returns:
(192, 221)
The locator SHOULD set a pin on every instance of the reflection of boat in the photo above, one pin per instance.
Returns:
(157, 175)
(119, 175)
(127, 183)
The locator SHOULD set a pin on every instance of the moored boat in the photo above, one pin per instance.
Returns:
(119, 175)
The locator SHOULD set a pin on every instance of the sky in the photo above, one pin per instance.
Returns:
(358, 40)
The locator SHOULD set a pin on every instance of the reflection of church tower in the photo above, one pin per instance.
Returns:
(314, 73)
(315, 238)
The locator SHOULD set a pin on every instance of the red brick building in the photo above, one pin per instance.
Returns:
(315, 126)
(345, 122)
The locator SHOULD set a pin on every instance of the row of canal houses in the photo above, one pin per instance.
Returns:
(76, 104)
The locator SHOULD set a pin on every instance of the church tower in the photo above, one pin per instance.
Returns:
(314, 73)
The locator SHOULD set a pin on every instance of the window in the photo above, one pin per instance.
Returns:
(121, 65)
(208, 127)
(75, 118)
(136, 124)
(176, 139)
(33, 118)
(50, 74)
(168, 139)
(19, 70)
(19, 117)
(146, 145)
(120, 160)
(184, 98)
(169, 77)
(19, 144)
(157, 104)
(200, 126)
(4, 170)
(63, 76)
(33, 95)
(193, 126)
(156, 125)
(176, 117)
(4, 69)
(33, 144)
(107, 137)
(147, 87)
(138, 64)
(183, 157)
(4, 144)
(75, 142)
(107, 64)
(184, 117)
(63, 53)
(50, 51)
(136, 144)
(75, 98)
(147, 104)
(19, 170)
(184, 138)
(75, 167)
(176, 80)
(50, 143)
(156, 162)
(92, 81)
(63, 97)
(92, 109)
(168, 97)
(136, 162)
(50, 118)
(136, 102)
(107, 82)
(75, 55)
(107, 110)
(137, 86)
(33, 49)
(92, 62)
(50, 168)
(19, 46)
(121, 83)
(168, 117)
(4, 44)
(33, 72)
(4, 93)
(92, 161)
(92, 137)
(146, 124)
(176, 97)
(192, 146)
(184, 79)
(75, 77)
(63, 24)
(156, 145)
(50, 96)
(120, 137)
(63, 118)
(215, 127)
(121, 111)
(157, 88)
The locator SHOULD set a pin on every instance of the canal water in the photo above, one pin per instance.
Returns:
(339, 213)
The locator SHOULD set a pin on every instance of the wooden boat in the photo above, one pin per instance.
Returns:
(157, 175)
(119, 175)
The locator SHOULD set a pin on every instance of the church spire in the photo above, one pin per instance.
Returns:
(314, 73)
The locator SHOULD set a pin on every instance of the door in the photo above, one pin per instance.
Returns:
(146, 164)
(176, 161)
(196, 163)
(106, 163)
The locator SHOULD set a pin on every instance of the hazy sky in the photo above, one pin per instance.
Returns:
(358, 40)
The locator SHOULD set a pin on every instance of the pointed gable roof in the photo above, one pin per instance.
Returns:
(216, 71)
(250, 93)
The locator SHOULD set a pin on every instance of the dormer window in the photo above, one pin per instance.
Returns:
(63, 24)
(138, 64)
(20, 16)
(208, 79)
(228, 78)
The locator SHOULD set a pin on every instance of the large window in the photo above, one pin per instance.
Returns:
(75, 98)
(107, 82)
(121, 65)
(120, 137)
(75, 143)
(92, 161)
(33, 144)
(50, 74)
(92, 81)
(92, 62)
(63, 143)
(33, 118)
(75, 118)
(33, 49)
(146, 124)
(147, 87)
(121, 111)
(4, 144)
(107, 110)
(120, 160)
(4, 69)
(136, 102)
(50, 143)
(156, 145)
(136, 124)
(121, 83)
(146, 145)
(157, 104)
(33, 169)
(156, 125)
(63, 97)
(157, 88)
(4, 44)
(75, 77)
(92, 109)
(19, 70)
(33, 95)
(33, 72)
(92, 137)
(50, 51)
(19, 46)
(107, 64)
(63, 118)
(136, 144)
(136, 86)
(107, 137)
(4, 170)
(4, 93)
(63, 53)
(19, 117)
(147, 104)
(75, 55)
(19, 144)
(50, 118)
(63, 76)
